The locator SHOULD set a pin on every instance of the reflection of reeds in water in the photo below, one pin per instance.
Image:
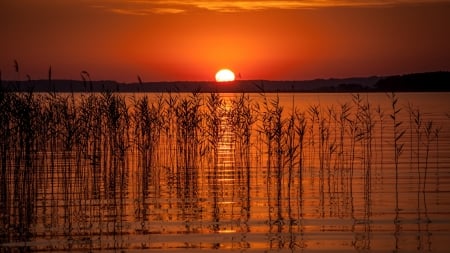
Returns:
(73, 152)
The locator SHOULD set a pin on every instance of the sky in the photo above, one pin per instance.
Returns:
(174, 40)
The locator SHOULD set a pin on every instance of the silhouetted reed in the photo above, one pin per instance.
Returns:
(398, 146)
(300, 125)
(20, 127)
(148, 121)
(272, 128)
(291, 153)
(367, 124)
(80, 152)
(214, 132)
(343, 167)
(437, 132)
(429, 137)
(188, 143)
(86, 80)
(170, 131)
(5, 170)
(241, 119)
(415, 118)
(380, 114)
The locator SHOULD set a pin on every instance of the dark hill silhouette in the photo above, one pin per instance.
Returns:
(431, 81)
(418, 82)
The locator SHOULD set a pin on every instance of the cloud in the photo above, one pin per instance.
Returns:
(146, 7)
(127, 12)
(167, 10)
(227, 5)
(144, 12)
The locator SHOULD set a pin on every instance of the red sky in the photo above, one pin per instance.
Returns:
(170, 40)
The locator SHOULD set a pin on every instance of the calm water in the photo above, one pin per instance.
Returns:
(243, 173)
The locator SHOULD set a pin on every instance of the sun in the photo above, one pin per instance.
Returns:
(224, 75)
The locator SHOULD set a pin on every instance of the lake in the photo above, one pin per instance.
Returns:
(288, 172)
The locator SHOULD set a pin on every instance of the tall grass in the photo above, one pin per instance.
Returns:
(84, 150)
(241, 120)
(188, 144)
(398, 146)
(300, 124)
(272, 126)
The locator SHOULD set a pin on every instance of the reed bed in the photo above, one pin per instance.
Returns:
(81, 151)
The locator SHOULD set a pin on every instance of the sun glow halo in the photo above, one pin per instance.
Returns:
(225, 75)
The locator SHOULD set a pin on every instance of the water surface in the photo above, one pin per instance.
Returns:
(219, 172)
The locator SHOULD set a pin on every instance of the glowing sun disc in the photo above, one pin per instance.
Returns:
(224, 75)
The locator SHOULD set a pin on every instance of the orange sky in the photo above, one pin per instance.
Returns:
(171, 40)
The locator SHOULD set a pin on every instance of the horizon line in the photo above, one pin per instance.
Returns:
(138, 80)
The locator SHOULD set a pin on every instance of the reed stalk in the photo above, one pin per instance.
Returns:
(428, 130)
(291, 153)
(380, 114)
(300, 129)
(416, 117)
(437, 132)
(398, 147)
(189, 122)
(241, 119)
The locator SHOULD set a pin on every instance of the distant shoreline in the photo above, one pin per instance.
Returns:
(416, 82)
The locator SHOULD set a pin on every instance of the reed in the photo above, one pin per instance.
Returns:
(81, 151)
(313, 111)
(330, 161)
(17, 70)
(148, 121)
(343, 120)
(213, 129)
(188, 137)
(301, 129)
(428, 131)
(354, 134)
(415, 117)
(368, 125)
(241, 119)
(291, 153)
(92, 137)
(381, 116)
(272, 126)
(86, 77)
(170, 105)
(25, 121)
(318, 125)
(437, 132)
(5, 171)
(116, 141)
(398, 146)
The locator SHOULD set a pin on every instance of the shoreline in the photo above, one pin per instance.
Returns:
(417, 82)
